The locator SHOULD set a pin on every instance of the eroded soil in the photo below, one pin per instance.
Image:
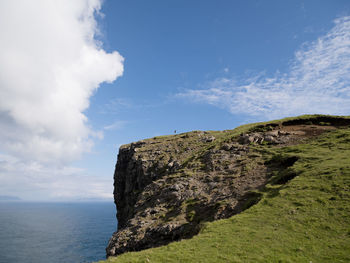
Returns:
(165, 188)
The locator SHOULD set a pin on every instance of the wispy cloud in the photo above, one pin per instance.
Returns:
(117, 125)
(34, 181)
(116, 106)
(318, 81)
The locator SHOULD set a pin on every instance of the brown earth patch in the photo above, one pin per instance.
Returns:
(167, 187)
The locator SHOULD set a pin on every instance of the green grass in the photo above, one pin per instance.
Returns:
(305, 220)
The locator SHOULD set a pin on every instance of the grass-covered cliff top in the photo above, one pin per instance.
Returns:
(304, 219)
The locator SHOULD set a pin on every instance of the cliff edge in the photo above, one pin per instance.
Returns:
(167, 187)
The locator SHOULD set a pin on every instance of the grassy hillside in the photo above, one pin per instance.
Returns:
(303, 214)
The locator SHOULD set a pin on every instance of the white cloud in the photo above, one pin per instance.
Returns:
(117, 125)
(116, 106)
(42, 182)
(50, 65)
(318, 81)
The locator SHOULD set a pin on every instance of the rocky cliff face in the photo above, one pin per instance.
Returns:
(167, 187)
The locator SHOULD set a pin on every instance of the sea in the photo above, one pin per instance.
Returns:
(55, 232)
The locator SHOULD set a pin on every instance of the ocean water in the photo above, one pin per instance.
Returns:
(55, 232)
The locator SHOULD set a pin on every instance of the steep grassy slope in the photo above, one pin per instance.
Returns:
(303, 214)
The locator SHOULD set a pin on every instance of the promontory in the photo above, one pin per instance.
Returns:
(277, 191)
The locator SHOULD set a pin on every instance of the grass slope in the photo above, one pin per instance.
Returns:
(305, 220)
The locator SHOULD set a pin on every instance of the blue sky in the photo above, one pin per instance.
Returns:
(170, 65)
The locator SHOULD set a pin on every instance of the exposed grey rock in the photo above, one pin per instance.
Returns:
(165, 188)
(209, 139)
(251, 138)
(158, 202)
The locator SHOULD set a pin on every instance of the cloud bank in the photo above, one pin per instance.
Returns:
(33, 181)
(318, 81)
(50, 65)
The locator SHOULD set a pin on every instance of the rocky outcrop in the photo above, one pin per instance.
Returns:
(167, 187)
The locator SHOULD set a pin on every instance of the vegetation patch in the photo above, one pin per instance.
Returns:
(302, 214)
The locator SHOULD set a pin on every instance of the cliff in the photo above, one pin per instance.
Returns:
(168, 187)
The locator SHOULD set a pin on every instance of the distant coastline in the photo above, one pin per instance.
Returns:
(9, 198)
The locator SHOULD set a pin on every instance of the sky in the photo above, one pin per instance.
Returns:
(78, 79)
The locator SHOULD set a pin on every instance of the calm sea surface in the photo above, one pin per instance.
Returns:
(55, 232)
